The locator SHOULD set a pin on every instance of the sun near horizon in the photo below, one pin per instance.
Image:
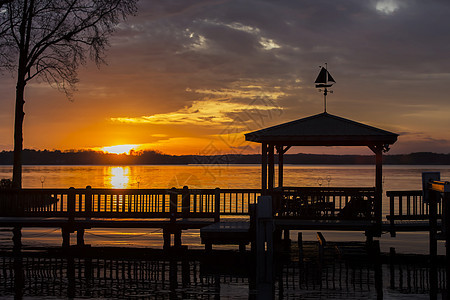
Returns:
(119, 149)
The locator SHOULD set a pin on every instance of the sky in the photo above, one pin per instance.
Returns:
(191, 77)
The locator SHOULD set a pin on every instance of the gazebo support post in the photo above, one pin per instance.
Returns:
(271, 167)
(378, 204)
(280, 165)
(281, 151)
(264, 169)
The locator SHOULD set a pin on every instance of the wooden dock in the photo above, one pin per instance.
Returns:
(175, 210)
(75, 210)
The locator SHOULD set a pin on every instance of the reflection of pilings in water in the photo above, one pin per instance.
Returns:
(337, 276)
(19, 280)
(329, 271)
(358, 274)
(410, 278)
(351, 276)
(71, 277)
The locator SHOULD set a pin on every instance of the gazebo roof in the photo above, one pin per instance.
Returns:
(323, 130)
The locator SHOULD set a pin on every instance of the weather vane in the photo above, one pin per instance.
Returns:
(325, 81)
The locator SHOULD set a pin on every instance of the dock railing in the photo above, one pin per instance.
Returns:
(298, 202)
(408, 206)
(127, 203)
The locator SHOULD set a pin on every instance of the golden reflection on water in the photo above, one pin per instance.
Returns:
(117, 177)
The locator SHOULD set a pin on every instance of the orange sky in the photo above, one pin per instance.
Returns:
(191, 77)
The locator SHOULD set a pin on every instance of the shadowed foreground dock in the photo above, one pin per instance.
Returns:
(341, 271)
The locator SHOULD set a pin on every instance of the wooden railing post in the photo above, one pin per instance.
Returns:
(432, 204)
(67, 229)
(173, 203)
(71, 204)
(88, 201)
(392, 214)
(185, 202)
(217, 205)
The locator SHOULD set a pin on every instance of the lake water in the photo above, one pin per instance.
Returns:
(211, 176)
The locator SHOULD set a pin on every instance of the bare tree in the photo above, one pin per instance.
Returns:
(48, 40)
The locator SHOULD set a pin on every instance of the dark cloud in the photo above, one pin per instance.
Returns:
(389, 58)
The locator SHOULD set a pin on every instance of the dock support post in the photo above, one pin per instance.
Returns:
(177, 239)
(19, 277)
(66, 237)
(167, 232)
(286, 239)
(17, 238)
(375, 252)
(173, 278)
(446, 231)
(286, 235)
(71, 287)
(369, 237)
(264, 247)
(392, 260)
(80, 237)
(300, 247)
(322, 244)
(166, 237)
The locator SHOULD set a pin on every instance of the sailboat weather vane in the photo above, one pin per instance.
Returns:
(324, 81)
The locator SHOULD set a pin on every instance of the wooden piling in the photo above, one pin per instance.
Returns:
(392, 260)
(177, 239)
(286, 235)
(71, 284)
(446, 231)
(166, 237)
(300, 247)
(375, 252)
(65, 236)
(322, 244)
(80, 237)
(17, 238)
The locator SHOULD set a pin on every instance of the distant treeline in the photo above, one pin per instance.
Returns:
(88, 157)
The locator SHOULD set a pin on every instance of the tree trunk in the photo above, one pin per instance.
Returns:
(24, 43)
(18, 134)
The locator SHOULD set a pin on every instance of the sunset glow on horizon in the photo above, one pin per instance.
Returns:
(120, 149)
(187, 78)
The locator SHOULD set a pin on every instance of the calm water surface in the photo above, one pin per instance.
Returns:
(209, 176)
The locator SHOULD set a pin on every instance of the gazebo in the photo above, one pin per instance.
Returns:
(320, 130)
